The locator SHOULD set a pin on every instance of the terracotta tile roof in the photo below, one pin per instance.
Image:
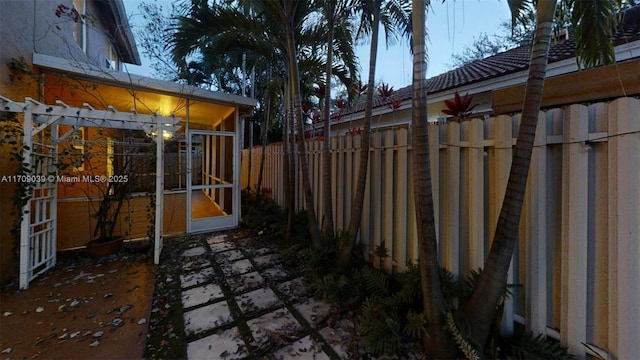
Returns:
(507, 62)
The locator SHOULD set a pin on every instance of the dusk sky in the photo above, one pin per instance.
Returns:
(451, 26)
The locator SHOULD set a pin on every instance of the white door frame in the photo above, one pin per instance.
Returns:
(217, 222)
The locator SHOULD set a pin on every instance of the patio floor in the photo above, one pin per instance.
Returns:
(240, 302)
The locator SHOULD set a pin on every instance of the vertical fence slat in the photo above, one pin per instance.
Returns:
(600, 307)
(376, 167)
(536, 232)
(502, 136)
(387, 205)
(624, 227)
(340, 180)
(334, 180)
(434, 162)
(350, 178)
(574, 234)
(451, 200)
(365, 225)
(475, 182)
(401, 224)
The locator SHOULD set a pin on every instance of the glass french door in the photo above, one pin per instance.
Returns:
(212, 188)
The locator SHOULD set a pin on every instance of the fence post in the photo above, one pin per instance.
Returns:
(575, 204)
(624, 227)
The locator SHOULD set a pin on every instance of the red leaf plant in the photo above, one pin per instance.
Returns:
(459, 107)
(385, 90)
(360, 88)
(394, 104)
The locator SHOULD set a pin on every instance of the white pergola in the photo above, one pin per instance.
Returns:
(38, 229)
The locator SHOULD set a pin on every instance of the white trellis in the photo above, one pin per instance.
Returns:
(38, 228)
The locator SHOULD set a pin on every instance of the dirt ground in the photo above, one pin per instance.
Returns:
(85, 308)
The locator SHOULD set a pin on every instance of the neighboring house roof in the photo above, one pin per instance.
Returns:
(507, 62)
(116, 20)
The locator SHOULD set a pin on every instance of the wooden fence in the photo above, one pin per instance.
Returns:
(578, 256)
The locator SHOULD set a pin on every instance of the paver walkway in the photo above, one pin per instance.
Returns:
(239, 301)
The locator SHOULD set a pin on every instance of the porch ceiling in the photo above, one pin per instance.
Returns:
(76, 83)
(201, 115)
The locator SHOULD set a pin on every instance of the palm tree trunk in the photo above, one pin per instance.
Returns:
(480, 309)
(289, 166)
(438, 344)
(356, 212)
(297, 115)
(327, 223)
(265, 126)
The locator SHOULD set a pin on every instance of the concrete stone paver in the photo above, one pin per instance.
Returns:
(227, 273)
(217, 239)
(201, 295)
(314, 311)
(196, 278)
(305, 348)
(279, 326)
(196, 264)
(237, 267)
(196, 251)
(222, 246)
(276, 273)
(266, 260)
(229, 256)
(293, 289)
(244, 282)
(207, 318)
(258, 300)
(227, 344)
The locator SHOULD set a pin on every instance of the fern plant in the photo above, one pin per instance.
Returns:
(538, 347)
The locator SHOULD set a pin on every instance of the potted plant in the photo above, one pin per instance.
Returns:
(106, 215)
(106, 170)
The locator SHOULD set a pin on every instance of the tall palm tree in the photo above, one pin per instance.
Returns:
(438, 344)
(292, 15)
(219, 27)
(595, 16)
(327, 224)
(394, 16)
(338, 29)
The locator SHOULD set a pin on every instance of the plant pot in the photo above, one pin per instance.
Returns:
(105, 246)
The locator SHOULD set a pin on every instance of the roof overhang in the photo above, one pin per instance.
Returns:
(84, 71)
(623, 52)
(116, 20)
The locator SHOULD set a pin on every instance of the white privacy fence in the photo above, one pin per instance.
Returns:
(578, 258)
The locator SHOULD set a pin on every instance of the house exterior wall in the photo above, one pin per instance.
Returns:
(384, 118)
(28, 27)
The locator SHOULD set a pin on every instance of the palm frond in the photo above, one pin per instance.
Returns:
(592, 21)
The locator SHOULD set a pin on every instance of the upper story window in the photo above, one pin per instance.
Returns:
(80, 25)
(113, 61)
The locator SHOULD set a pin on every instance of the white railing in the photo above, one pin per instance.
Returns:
(579, 240)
